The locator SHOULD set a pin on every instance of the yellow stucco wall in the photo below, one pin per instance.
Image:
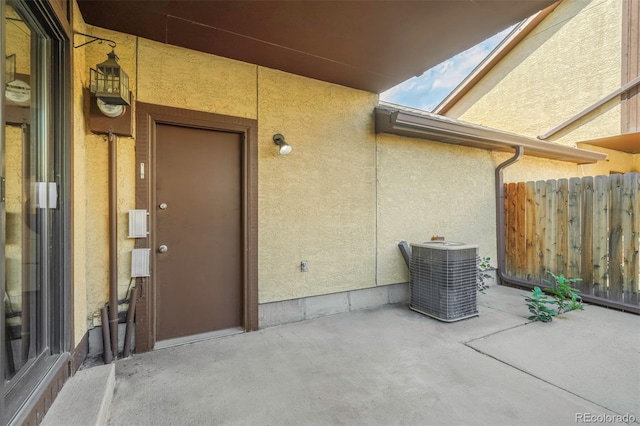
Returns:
(429, 188)
(90, 186)
(566, 64)
(341, 200)
(181, 78)
(325, 188)
(79, 189)
(317, 203)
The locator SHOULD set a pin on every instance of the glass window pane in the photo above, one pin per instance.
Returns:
(25, 207)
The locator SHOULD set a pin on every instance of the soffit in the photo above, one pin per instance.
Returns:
(629, 142)
(368, 45)
(419, 124)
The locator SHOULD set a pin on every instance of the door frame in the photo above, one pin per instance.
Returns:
(147, 118)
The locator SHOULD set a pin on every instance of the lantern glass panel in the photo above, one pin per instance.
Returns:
(10, 68)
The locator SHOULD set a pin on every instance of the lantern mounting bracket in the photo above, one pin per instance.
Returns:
(100, 40)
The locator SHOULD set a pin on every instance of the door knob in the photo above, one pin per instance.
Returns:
(163, 206)
(163, 249)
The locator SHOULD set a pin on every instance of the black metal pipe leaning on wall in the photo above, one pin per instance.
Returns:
(130, 315)
(406, 252)
(106, 348)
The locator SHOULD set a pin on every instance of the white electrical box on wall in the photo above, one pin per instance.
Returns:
(140, 262)
(138, 224)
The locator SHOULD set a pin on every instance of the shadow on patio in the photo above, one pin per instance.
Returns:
(395, 366)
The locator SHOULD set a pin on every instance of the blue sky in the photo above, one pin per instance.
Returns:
(428, 90)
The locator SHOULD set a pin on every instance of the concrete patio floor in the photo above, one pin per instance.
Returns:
(392, 366)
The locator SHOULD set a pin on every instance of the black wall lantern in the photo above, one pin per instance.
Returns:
(109, 93)
(109, 82)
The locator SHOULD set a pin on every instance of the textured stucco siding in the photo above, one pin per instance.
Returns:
(429, 188)
(91, 186)
(79, 189)
(564, 66)
(317, 203)
(616, 162)
(181, 78)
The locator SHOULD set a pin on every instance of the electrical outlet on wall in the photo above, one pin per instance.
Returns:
(304, 266)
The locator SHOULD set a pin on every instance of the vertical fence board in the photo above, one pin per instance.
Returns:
(586, 285)
(531, 271)
(550, 232)
(573, 229)
(505, 231)
(562, 218)
(520, 231)
(600, 258)
(510, 225)
(630, 225)
(541, 226)
(616, 212)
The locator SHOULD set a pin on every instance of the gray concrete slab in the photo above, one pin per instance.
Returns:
(383, 367)
(85, 399)
(594, 354)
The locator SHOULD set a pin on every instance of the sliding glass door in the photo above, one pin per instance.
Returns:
(32, 159)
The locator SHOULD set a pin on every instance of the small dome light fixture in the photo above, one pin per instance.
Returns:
(285, 148)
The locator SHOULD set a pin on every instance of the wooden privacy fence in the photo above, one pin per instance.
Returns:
(580, 227)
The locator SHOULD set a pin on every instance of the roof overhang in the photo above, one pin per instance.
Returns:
(423, 125)
(368, 45)
(629, 143)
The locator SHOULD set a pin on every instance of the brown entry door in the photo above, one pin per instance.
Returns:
(198, 216)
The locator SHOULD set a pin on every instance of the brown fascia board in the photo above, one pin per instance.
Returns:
(507, 45)
(433, 127)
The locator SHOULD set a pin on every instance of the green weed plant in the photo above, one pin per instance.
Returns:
(539, 306)
(565, 298)
(484, 264)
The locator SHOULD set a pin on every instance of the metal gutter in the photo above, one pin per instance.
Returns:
(630, 85)
(398, 120)
(501, 246)
(522, 30)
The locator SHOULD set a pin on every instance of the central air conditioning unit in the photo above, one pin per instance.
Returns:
(443, 280)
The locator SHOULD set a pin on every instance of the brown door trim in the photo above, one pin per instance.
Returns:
(147, 116)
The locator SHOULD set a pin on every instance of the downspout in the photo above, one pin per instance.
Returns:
(500, 231)
(113, 241)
